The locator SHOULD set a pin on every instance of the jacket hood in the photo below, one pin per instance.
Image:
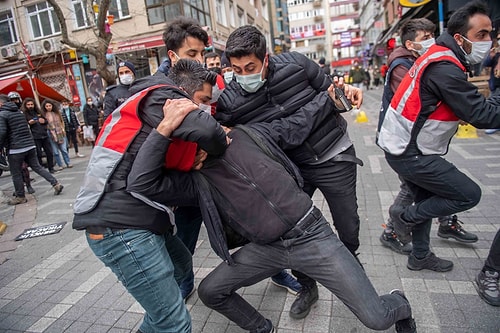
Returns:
(149, 81)
(400, 52)
(165, 67)
(9, 106)
(448, 41)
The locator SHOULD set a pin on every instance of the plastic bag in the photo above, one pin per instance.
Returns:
(88, 133)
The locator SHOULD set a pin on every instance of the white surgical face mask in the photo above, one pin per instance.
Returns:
(216, 92)
(205, 108)
(478, 52)
(228, 76)
(425, 44)
(126, 79)
(251, 82)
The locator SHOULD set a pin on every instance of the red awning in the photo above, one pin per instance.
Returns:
(139, 44)
(8, 80)
(21, 84)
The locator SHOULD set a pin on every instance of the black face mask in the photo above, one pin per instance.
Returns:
(217, 70)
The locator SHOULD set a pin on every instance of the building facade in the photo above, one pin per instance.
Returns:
(31, 36)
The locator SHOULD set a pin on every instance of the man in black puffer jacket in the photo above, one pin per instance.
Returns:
(267, 88)
(16, 136)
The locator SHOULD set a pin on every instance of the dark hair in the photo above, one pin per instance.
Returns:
(210, 55)
(55, 105)
(26, 100)
(410, 28)
(459, 20)
(245, 41)
(178, 30)
(4, 98)
(190, 75)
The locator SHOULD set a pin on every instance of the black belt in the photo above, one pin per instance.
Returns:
(303, 224)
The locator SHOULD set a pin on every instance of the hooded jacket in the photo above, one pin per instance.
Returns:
(293, 81)
(14, 130)
(441, 82)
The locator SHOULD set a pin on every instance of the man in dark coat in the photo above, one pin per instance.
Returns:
(91, 117)
(38, 126)
(265, 88)
(16, 136)
(117, 94)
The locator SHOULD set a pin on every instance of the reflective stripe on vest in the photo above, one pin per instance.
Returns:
(405, 108)
(118, 132)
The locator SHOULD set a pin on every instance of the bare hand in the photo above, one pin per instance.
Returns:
(174, 112)
(200, 157)
(41, 120)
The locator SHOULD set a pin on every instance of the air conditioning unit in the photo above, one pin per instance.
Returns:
(51, 45)
(9, 51)
(34, 48)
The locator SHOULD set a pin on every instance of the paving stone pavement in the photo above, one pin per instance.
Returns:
(55, 284)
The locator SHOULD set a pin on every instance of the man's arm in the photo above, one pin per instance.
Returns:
(148, 177)
(449, 84)
(290, 132)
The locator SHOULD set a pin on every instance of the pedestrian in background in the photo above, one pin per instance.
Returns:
(117, 94)
(16, 136)
(57, 133)
(38, 125)
(72, 126)
(91, 117)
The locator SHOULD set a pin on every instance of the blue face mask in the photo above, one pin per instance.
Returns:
(251, 82)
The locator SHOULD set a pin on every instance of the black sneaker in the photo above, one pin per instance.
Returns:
(391, 241)
(454, 230)
(305, 299)
(487, 287)
(401, 228)
(430, 262)
(267, 328)
(405, 325)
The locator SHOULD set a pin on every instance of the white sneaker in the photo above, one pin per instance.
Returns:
(80, 155)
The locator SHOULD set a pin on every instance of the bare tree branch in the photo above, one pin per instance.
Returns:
(98, 47)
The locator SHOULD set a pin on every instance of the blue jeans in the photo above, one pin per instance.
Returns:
(318, 253)
(63, 148)
(150, 267)
(439, 188)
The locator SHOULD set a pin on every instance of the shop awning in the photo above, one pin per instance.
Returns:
(139, 44)
(27, 87)
(8, 80)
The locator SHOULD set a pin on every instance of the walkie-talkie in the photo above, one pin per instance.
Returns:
(339, 93)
